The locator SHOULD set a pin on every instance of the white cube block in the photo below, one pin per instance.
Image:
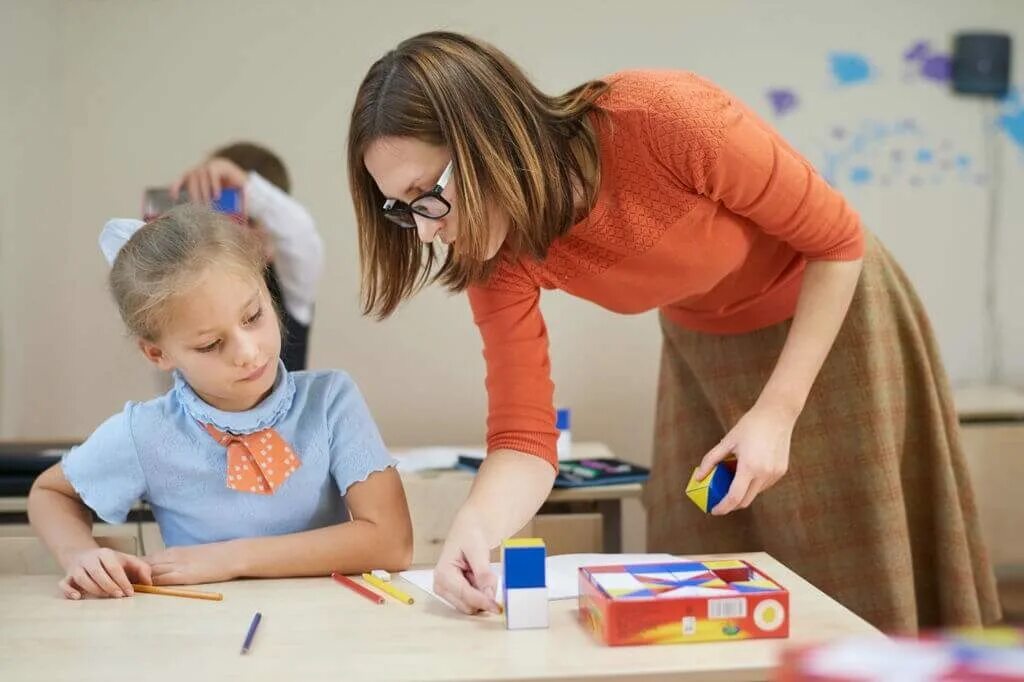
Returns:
(526, 607)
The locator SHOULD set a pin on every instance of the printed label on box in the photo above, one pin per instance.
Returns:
(720, 609)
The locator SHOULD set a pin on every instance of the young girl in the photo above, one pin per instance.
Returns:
(251, 471)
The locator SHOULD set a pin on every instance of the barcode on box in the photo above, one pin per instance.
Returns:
(727, 608)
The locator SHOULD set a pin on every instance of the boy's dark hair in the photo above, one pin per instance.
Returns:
(252, 157)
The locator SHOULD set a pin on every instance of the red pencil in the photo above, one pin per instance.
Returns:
(357, 588)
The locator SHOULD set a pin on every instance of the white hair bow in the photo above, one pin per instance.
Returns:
(116, 234)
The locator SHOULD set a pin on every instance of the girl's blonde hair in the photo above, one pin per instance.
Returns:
(166, 257)
(512, 145)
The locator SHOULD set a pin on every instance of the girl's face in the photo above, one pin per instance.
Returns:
(224, 337)
(404, 168)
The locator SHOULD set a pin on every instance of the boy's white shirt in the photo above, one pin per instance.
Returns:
(298, 248)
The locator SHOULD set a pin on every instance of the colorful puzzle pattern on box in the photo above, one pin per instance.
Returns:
(982, 655)
(524, 583)
(688, 601)
(709, 491)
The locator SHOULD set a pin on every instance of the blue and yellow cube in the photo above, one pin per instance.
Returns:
(710, 490)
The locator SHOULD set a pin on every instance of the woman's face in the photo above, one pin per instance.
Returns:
(404, 168)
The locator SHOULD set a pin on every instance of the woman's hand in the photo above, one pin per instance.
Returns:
(102, 572)
(760, 441)
(463, 575)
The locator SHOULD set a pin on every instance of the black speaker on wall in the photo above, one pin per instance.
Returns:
(981, 64)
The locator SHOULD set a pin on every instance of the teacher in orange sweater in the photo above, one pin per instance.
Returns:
(792, 340)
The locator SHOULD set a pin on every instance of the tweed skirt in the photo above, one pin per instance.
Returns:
(876, 509)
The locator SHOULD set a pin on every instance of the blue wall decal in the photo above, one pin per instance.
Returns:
(849, 68)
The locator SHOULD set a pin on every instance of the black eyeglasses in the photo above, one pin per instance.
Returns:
(429, 204)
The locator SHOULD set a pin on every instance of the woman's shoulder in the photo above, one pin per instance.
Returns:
(645, 88)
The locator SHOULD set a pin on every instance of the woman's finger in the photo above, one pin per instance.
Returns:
(713, 457)
(737, 491)
(451, 597)
(753, 491)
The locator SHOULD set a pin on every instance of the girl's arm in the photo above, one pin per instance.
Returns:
(64, 523)
(379, 535)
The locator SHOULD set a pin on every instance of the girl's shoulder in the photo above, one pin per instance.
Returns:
(323, 388)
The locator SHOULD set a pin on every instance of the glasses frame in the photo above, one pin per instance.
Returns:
(403, 214)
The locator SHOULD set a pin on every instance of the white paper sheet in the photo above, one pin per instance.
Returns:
(562, 571)
(424, 459)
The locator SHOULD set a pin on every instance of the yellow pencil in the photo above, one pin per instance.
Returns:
(388, 589)
(177, 592)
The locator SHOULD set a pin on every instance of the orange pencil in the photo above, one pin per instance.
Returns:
(178, 592)
(357, 588)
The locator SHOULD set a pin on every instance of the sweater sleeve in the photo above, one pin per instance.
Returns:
(723, 150)
(521, 414)
(298, 248)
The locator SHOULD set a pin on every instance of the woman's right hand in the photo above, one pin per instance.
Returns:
(102, 572)
(463, 575)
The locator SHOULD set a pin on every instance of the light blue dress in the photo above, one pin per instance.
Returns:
(158, 451)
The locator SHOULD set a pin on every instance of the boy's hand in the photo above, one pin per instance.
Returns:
(205, 181)
(210, 563)
(102, 572)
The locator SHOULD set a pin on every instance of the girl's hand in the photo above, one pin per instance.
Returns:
(463, 575)
(101, 572)
(205, 181)
(760, 441)
(210, 563)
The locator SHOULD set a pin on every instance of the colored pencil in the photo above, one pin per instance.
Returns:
(357, 588)
(388, 588)
(178, 592)
(247, 644)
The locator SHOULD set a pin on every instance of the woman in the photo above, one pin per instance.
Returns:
(786, 327)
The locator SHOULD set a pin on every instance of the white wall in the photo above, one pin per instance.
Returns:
(34, 221)
(110, 96)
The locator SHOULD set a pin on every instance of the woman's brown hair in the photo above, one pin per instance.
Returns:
(533, 156)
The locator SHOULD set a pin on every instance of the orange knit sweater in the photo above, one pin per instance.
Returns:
(703, 212)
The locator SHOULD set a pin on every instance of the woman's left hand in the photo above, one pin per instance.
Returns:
(760, 441)
(210, 563)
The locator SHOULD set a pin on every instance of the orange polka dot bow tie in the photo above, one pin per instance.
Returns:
(258, 462)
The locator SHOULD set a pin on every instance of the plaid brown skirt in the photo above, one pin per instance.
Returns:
(876, 509)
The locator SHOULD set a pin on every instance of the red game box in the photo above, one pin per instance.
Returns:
(685, 601)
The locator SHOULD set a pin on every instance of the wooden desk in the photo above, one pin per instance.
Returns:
(314, 629)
